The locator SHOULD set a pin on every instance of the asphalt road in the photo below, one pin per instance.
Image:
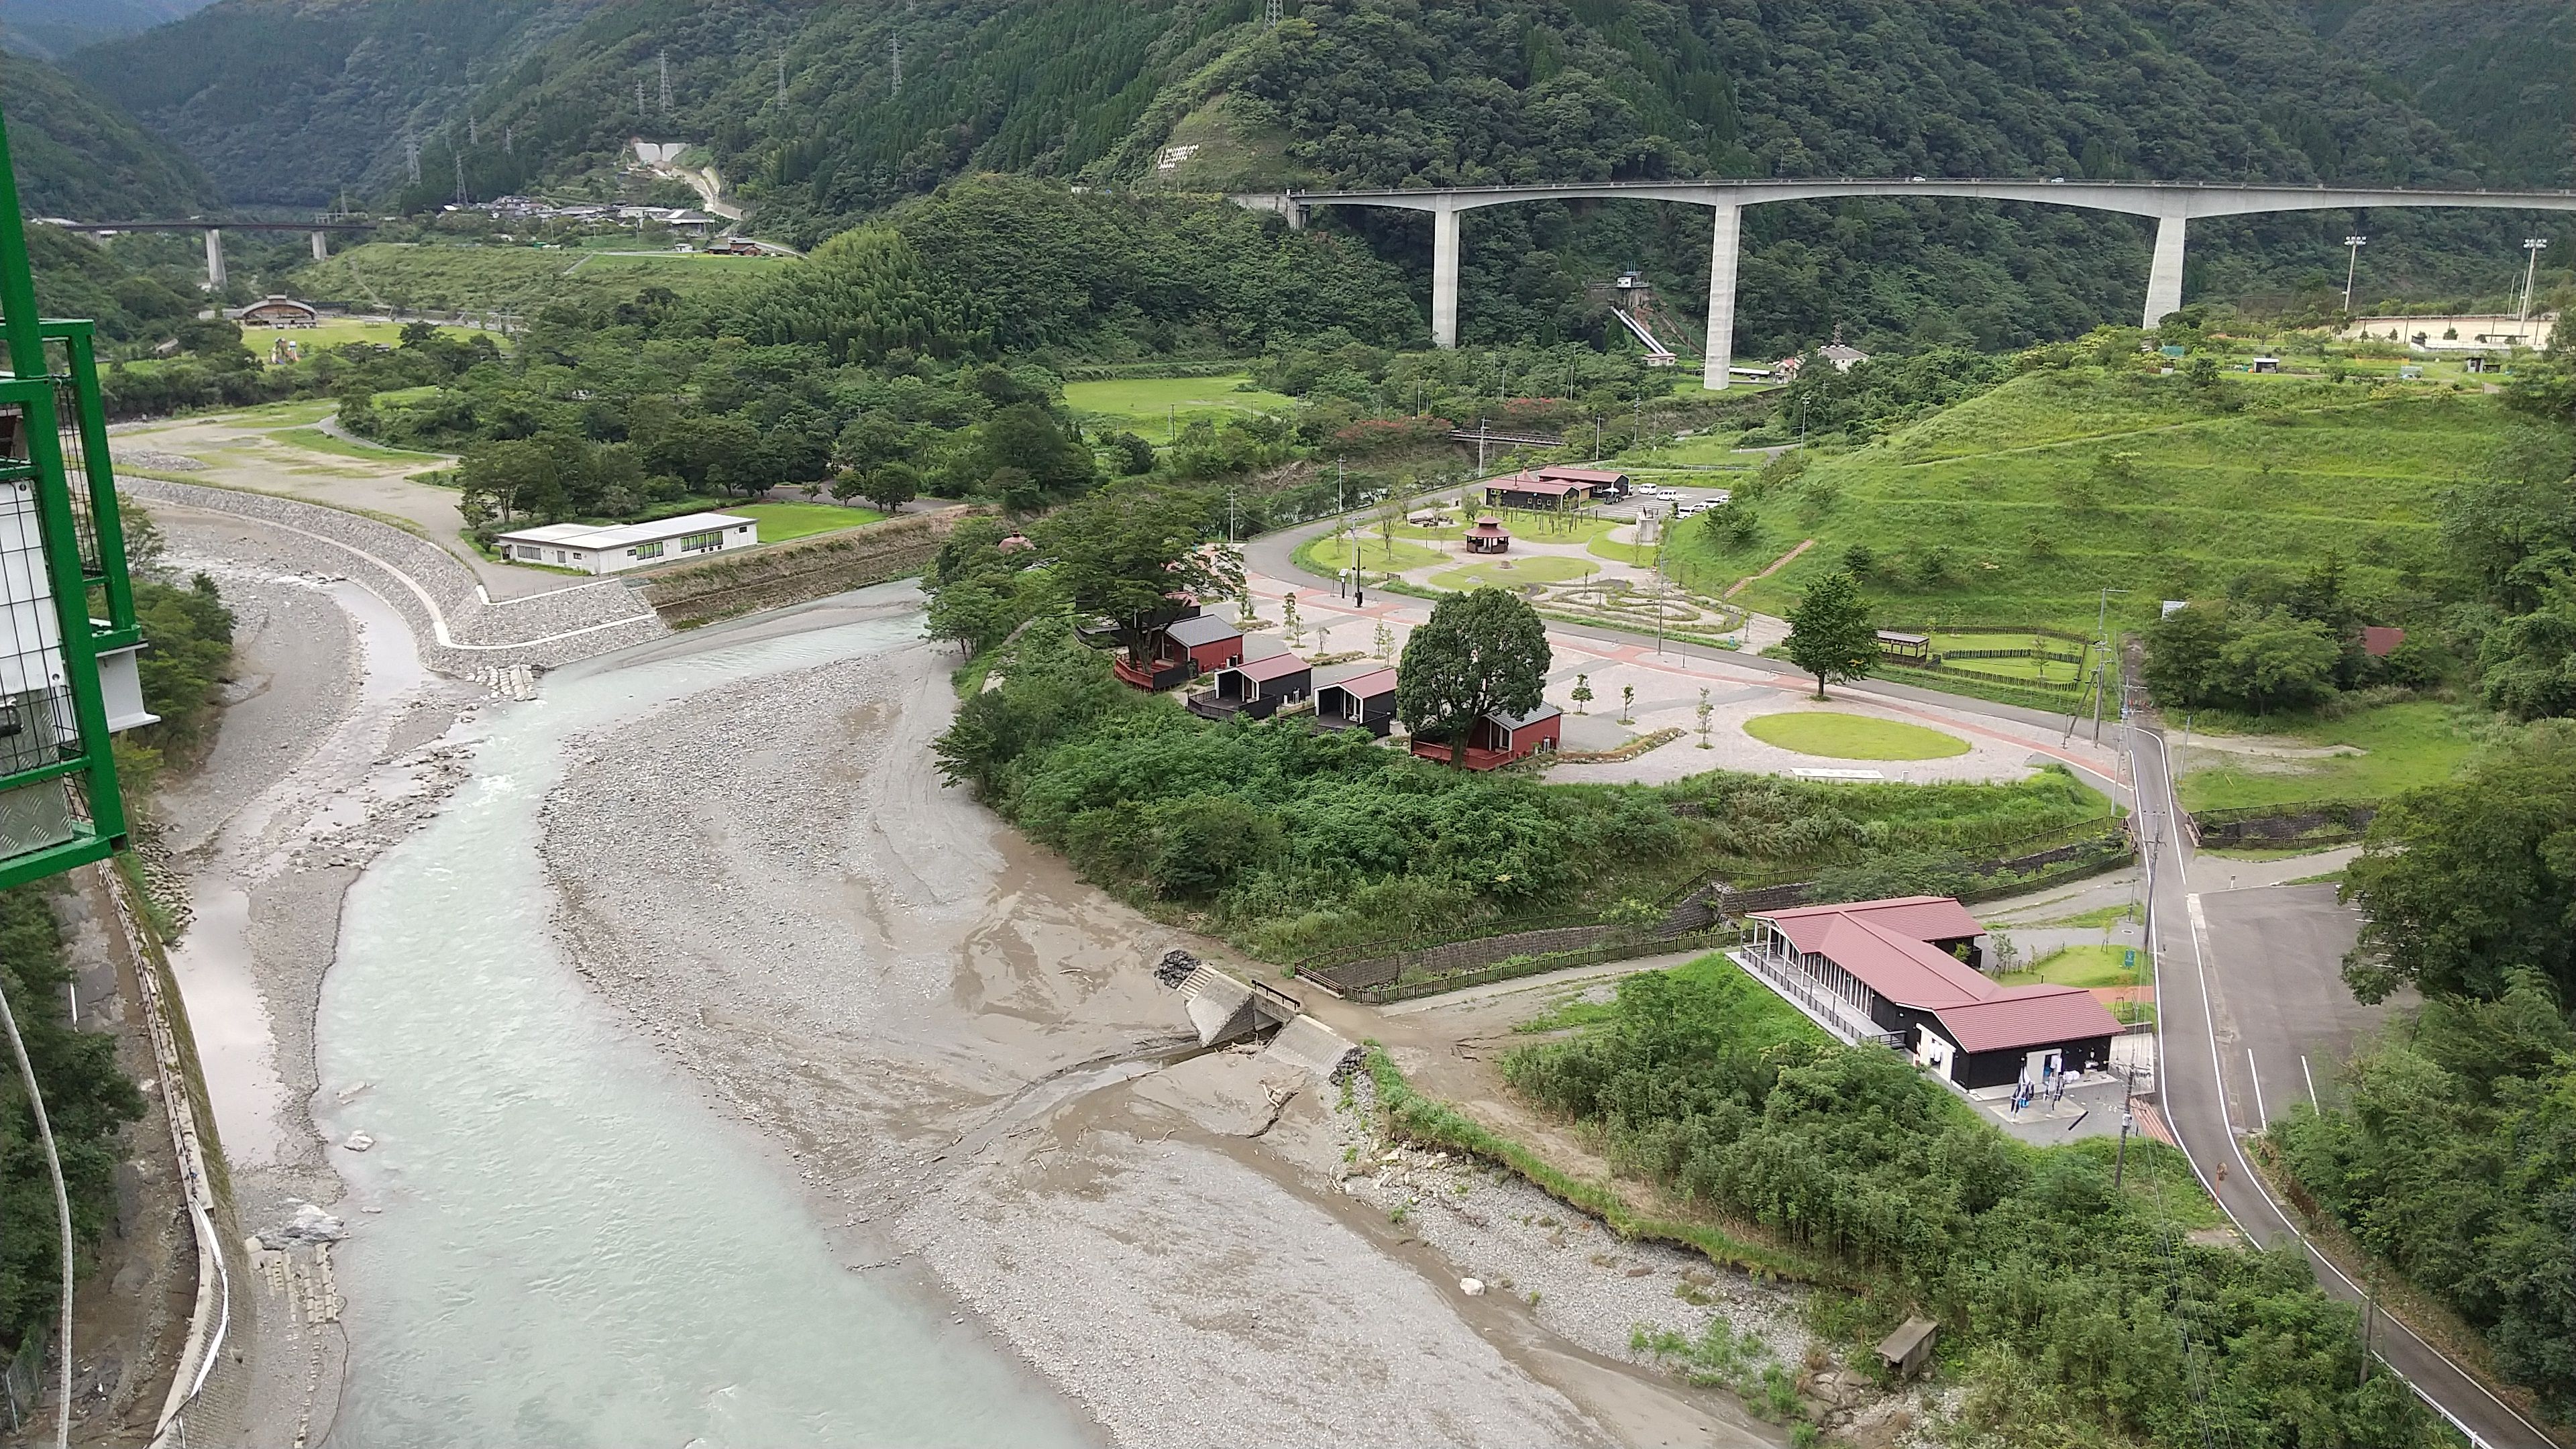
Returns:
(2246, 984)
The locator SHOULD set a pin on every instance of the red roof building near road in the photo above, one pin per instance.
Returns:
(1909, 966)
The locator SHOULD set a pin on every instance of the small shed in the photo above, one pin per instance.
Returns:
(1489, 536)
(1905, 646)
(1361, 702)
(1255, 687)
(1205, 643)
(1909, 1348)
(2265, 364)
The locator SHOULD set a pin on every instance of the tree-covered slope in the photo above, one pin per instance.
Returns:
(289, 102)
(2500, 74)
(78, 156)
(52, 29)
(797, 102)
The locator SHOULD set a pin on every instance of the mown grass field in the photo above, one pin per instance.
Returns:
(1328, 555)
(2419, 742)
(1154, 407)
(780, 522)
(322, 442)
(2084, 966)
(2018, 507)
(509, 279)
(1537, 569)
(1852, 737)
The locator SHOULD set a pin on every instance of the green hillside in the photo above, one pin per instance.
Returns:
(52, 29)
(2501, 74)
(510, 279)
(78, 156)
(2018, 507)
(289, 100)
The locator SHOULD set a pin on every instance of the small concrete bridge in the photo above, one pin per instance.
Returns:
(2173, 205)
(214, 230)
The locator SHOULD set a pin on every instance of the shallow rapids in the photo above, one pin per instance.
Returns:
(572, 1247)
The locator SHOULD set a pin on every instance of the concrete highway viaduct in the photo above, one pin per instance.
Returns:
(214, 230)
(2174, 206)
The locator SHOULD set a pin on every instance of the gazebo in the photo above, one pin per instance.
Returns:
(1489, 536)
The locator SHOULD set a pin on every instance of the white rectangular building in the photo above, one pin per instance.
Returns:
(628, 545)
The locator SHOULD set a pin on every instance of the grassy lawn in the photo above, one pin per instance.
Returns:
(2420, 742)
(1541, 569)
(322, 442)
(2044, 671)
(780, 522)
(510, 279)
(2084, 966)
(1329, 555)
(1152, 406)
(1852, 736)
(2015, 508)
(341, 331)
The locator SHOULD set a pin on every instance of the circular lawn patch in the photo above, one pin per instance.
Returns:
(1852, 736)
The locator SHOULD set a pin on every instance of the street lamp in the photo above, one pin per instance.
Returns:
(2531, 248)
(2352, 262)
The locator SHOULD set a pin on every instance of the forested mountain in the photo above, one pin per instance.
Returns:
(820, 112)
(52, 29)
(79, 156)
(2501, 76)
(289, 102)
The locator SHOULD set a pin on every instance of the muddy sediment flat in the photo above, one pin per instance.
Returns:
(956, 1040)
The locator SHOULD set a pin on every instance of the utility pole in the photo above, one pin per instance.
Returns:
(2353, 245)
(2531, 249)
(2101, 669)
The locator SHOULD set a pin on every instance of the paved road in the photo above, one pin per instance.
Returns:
(2245, 983)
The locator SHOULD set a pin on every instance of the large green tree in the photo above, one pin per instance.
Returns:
(1481, 652)
(1124, 552)
(2463, 883)
(1830, 634)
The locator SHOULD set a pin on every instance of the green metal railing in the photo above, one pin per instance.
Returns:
(59, 805)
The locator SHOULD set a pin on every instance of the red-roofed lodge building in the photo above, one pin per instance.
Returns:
(1904, 971)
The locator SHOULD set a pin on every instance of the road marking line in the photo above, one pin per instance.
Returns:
(2262, 1119)
(2312, 1081)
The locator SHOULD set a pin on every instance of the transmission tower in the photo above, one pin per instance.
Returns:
(898, 65)
(460, 178)
(782, 77)
(639, 100)
(665, 62)
(473, 132)
(1270, 12)
(509, 140)
(411, 156)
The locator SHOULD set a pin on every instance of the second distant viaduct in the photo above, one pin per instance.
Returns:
(2173, 204)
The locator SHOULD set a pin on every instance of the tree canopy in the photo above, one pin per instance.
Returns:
(1481, 652)
(2462, 884)
(1124, 552)
(1830, 633)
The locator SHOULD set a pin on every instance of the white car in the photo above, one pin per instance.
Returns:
(1648, 490)
(1686, 510)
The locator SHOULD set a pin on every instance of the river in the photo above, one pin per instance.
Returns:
(558, 1240)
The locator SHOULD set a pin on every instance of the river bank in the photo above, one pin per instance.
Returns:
(955, 1040)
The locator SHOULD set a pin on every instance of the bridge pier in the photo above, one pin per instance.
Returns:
(1444, 274)
(321, 246)
(1724, 242)
(214, 259)
(2164, 276)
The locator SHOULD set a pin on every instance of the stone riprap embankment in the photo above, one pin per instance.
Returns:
(461, 632)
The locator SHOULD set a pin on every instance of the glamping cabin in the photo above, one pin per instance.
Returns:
(1258, 688)
(1496, 740)
(1364, 701)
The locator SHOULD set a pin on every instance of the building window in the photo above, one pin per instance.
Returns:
(697, 541)
(646, 550)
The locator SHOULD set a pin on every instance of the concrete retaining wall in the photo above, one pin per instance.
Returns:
(793, 573)
(460, 631)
